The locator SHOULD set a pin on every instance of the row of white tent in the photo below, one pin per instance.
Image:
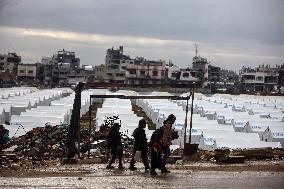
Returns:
(269, 129)
(123, 109)
(14, 105)
(57, 112)
(219, 121)
(206, 131)
(6, 93)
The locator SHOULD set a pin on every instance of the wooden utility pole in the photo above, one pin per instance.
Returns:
(191, 113)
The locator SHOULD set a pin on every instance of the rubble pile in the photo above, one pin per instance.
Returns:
(48, 143)
(41, 143)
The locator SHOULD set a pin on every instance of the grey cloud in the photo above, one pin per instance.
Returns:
(7, 3)
(241, 26)
(204, 20)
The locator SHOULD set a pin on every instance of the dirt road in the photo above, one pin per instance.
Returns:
(189, 176)
(176, 179)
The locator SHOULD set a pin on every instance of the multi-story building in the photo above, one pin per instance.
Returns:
(58, 67)
(120, 68)
(281, 76)
(27, 72)
(214, 73)
(9, 63)
(144, 72)
(200, 70)
(67, 57)
(180, 77)
(261, 79)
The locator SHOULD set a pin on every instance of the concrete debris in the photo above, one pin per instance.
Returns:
(49, 143)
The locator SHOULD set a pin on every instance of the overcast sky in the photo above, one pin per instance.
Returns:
(229, 33)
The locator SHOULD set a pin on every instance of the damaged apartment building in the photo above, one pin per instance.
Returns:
(61, 67)
(8, 67)
(201, 72)
(122, 69)
(261, 79)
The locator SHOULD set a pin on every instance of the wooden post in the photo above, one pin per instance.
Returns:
(90, 127)
(191, 113)
(185, 125)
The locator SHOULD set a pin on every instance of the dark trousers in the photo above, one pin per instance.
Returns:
(156, 159)
(167, 153)
(144, 157)
(115, 154)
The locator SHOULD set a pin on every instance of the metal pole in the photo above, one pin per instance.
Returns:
(90, 127)
(185, 125)
(191, 113)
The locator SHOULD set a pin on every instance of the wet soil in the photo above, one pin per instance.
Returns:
(82, 169)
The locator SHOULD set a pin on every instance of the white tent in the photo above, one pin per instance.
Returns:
(274, 134)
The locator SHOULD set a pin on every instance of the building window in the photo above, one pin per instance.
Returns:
(109, 74)
(259, 78)
(174, 74)
(119, 75)
(132, 71)
(155, 73)
(142, 72)
(185, 74)
(30, 71)
(115, 67)
(22, 71)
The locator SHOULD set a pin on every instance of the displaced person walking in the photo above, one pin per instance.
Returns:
(166, 141)
(140, 145)
(115, 146)
(156, 150)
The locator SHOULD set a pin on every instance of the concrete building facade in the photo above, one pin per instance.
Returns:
(261, 79)
(9, 63)
(27, 72)
(122, 69)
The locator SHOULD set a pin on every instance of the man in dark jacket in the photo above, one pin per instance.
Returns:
(115, 146)
(140, 144)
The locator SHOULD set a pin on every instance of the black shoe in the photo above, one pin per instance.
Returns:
(121, 167)
(147, 168)
(109, 167)
(132, 168)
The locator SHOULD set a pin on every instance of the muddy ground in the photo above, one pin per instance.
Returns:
(193, 175)
(83, 168)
